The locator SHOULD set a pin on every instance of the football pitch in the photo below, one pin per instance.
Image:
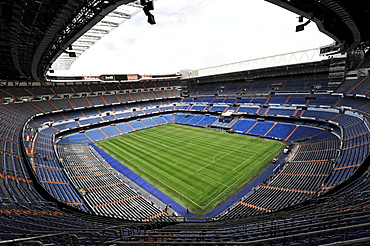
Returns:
(197, 167)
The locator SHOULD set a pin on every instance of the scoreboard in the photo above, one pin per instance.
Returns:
(113, 77)
(119, 77)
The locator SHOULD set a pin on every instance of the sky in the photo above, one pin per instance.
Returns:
(195, 34)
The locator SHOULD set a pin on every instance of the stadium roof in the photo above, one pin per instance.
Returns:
(34, 33)
(345, 21)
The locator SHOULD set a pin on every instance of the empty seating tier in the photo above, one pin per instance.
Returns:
(329, 133)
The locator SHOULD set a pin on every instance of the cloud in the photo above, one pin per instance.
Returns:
(192, 34)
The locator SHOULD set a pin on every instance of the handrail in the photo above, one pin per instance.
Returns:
(307, 235)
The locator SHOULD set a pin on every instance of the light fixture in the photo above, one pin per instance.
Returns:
(301, 26)
(151, 19)
(70, 53)
(147, 6)
(150, 5)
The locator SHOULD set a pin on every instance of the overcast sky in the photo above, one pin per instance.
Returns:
(194, 34)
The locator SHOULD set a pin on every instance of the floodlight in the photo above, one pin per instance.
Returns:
(151, 19)
(146, 10)
(299, 28)
(150, 5)
(72, 54)
(147, 7)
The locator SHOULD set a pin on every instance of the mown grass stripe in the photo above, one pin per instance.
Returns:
(197, 167)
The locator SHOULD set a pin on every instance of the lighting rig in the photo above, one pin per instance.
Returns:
(147, 6)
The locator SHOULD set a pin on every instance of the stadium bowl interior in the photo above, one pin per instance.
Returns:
(58, 188)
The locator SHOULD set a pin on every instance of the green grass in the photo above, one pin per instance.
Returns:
(196, 167)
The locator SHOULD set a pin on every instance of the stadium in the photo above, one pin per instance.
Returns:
(228, 155)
